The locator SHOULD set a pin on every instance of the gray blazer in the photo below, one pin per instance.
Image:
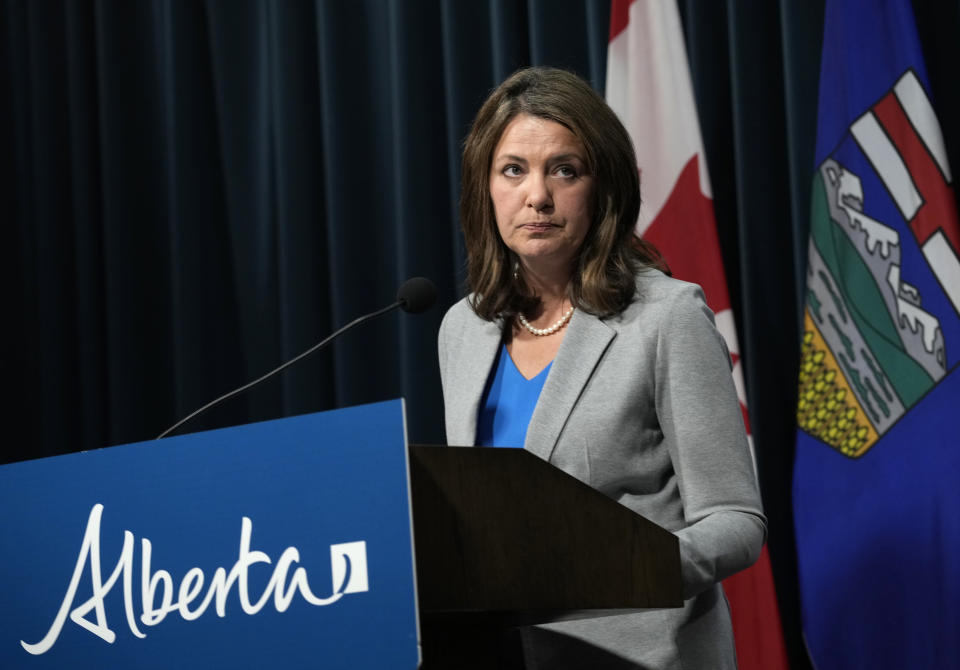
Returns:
(642, 407)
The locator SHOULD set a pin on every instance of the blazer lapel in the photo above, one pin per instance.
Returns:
(476, 360)
(583, 345)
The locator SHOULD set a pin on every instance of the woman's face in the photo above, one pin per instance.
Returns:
(542, 192)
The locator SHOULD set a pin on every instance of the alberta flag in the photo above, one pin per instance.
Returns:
(649, 87)
(877, 473)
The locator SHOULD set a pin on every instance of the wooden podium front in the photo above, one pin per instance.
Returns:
(502, 539)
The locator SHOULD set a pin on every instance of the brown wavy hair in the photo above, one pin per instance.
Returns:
(603, 281)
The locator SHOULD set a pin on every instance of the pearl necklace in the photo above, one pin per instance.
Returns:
(546, 331)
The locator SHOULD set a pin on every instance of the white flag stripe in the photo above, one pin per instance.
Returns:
(888, 164)
(917, 106)
(756, 468)
(945, 264)
(728, 328)
(665, 130)
(737, 373)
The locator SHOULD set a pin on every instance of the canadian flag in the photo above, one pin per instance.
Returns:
(648, 86)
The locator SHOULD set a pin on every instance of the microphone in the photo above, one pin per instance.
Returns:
(414, 296)
(417, 295)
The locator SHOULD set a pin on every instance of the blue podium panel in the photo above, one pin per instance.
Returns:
(278, 544)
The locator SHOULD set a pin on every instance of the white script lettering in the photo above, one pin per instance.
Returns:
(348, 565)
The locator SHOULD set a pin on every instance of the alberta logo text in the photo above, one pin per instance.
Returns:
(348, 566)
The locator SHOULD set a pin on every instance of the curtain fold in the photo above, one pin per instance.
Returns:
(799, 21)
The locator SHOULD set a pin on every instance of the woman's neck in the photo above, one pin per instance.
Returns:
(552, 287)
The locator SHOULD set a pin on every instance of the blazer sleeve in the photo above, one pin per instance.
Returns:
(442, 347)
(702, 426)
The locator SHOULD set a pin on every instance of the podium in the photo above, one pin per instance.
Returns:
(504, 539)
(295, 543)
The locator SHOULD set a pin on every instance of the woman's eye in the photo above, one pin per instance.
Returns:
(566, 171)
(512, 171)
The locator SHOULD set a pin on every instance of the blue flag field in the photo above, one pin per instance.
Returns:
(877, 470)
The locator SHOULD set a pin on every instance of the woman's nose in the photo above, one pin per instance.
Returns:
(538, 193)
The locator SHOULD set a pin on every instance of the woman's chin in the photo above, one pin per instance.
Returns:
(545, 255)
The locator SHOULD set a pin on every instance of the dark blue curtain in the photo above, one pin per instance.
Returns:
(193, 192)
(196, 192)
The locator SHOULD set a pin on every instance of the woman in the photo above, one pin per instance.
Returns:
(573, 345)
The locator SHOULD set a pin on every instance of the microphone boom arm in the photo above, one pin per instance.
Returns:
(319, 345)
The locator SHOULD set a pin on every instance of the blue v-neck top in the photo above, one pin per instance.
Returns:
(507, 404)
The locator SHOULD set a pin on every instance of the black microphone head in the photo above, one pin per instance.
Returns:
(417, 295)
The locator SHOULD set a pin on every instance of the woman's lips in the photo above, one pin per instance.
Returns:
(539, 226)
